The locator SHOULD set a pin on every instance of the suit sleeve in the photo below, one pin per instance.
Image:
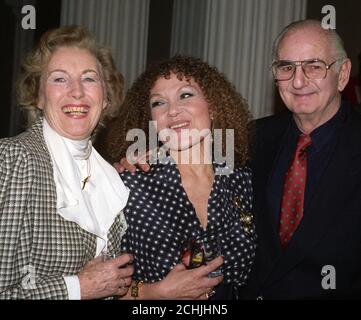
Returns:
(18, 277)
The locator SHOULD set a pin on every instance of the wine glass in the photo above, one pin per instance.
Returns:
(212, 250)
(108, 255)
(200, 251)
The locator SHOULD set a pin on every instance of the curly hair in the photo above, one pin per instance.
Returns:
(34, 63)
(229, 109)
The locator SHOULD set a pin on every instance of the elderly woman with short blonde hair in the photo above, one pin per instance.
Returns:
(61, 203)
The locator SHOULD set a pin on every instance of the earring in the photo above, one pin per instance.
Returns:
(212, 128)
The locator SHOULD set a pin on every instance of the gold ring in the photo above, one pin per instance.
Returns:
(123, 285)
(210, 294)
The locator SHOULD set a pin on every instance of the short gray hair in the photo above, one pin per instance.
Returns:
(334, 39)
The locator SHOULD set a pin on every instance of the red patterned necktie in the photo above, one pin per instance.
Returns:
(294, 191)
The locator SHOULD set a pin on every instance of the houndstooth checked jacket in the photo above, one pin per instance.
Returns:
(37, 246)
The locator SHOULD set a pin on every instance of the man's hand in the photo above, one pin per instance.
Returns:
(141, 162)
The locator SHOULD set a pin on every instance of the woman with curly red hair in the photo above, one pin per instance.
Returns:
(185, 196)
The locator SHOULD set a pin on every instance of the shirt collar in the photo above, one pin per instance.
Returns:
(322, 135)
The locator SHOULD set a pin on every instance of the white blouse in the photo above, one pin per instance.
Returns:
(89, 190)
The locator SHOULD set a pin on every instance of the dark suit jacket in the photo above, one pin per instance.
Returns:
(330, 231)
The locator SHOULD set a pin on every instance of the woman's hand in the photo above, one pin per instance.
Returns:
(182, 283)
(100, 279)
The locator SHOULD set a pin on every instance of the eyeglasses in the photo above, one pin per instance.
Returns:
(313, 69)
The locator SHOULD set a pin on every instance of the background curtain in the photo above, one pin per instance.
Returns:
(236, 36)
(121, 25)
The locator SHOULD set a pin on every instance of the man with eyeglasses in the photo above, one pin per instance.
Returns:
(307, 175)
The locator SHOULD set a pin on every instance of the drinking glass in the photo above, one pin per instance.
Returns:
(108, 255)
(197, 252)
(212, 250)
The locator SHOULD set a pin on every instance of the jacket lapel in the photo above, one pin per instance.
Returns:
(268, 148)
(88, 243)
(328, 195)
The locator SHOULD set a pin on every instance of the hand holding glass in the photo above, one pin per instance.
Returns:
(197, 252)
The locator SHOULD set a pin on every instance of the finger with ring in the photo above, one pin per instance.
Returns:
(124, 283)
(210, 293)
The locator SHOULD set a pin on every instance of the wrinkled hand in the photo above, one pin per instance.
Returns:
(99, 279)
(193, 284)
(140, 162)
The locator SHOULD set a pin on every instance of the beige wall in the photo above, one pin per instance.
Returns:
(348, 24)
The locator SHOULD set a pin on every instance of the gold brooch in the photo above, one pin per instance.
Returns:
(246, 220)
(245, 217)
(237, 201)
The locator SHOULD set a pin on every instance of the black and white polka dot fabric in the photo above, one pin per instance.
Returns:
(160, 219)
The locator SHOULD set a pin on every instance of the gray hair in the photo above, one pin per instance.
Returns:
(29, 81)
(336, 43)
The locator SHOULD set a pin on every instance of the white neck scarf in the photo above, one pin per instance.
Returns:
(95, 207)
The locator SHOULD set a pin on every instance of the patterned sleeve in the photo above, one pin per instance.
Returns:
(18, 279)
(126, 244)
(242, 240)
(247, 208)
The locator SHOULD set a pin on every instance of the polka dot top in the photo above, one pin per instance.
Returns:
(160, 219)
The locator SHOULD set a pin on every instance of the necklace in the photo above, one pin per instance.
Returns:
(85, 181)
(87, 178)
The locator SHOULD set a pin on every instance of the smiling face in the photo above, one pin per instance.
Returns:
(179, 108)
(317, 100)
(71, 93)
